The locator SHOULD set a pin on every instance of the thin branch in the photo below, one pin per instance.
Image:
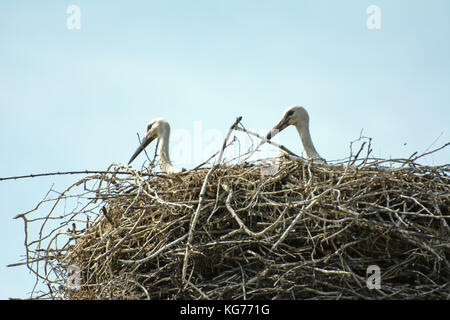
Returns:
(202, 198)
(264, 140)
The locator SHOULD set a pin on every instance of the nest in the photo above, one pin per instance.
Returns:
(297, 230)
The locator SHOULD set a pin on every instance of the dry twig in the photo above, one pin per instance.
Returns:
(230, 232)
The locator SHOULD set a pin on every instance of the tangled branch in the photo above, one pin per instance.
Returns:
(304, 231)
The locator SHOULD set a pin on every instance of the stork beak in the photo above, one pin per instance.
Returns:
(145, 142)
(279, 127)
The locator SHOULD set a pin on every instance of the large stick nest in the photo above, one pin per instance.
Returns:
(304, 231)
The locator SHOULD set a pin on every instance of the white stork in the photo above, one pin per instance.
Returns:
(298, 117)
(158, 128)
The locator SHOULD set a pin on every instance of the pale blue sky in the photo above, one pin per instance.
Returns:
(74, 99)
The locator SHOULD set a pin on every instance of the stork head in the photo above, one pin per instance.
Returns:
(294, 115)
(156, 128)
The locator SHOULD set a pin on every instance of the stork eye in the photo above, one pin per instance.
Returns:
(289, 113)
(150, 126)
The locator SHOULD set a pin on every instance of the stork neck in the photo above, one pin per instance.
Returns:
(308, 146)
(163, 152)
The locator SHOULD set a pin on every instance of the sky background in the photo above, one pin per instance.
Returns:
(75, 99)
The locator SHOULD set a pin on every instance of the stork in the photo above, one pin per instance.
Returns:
(298, 117)
(158, 128)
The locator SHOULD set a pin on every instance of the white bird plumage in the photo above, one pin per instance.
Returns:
(158, 128)
(298, 117)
